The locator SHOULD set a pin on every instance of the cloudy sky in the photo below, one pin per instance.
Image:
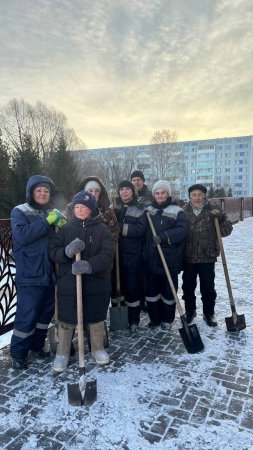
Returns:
(122, 69)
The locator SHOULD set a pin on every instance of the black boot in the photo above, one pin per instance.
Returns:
(210, 320)
(189, 316)
(19, 363)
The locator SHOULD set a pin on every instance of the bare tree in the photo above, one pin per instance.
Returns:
(43, 124)
(167, 158)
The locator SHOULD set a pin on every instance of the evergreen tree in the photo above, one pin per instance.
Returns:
(5, 205)
(219, 192)
(230, 193)
(62, 168)
(211, 192)
(25, 163)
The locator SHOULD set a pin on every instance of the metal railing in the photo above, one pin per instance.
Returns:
(236, 208)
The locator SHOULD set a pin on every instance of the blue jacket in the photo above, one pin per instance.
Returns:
(30, 236)
(171, 225)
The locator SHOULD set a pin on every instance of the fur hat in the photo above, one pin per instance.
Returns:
(126, 183)
(199, 187)
(162, 184)
(137, 173)
(92, 184)
(85, 198)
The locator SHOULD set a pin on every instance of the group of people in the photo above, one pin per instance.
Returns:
(51, 248)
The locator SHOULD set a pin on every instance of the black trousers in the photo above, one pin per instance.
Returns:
(206, 274)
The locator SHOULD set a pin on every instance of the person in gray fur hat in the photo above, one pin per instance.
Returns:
(171, 228)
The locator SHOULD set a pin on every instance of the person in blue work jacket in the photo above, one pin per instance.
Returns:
(32, 224)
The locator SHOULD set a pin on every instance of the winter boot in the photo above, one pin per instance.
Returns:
(97, 343)
(65, 333)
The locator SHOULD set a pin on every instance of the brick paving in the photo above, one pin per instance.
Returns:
(201, 393)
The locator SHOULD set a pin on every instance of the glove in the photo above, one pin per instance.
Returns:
(217, 213)
(80, 267)
(59, 223)
(74, 247)
(54, 216)
(156, 240)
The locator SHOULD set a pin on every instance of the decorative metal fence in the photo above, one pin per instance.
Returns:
(236, 208)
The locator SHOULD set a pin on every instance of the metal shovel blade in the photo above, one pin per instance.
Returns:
(236, 322)
(118, 317)
(86, 397)
(191, 338)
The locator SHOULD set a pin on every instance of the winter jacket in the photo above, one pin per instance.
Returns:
(132, 222)
(145, 196)
(30, 236)
(171, 225)
(99, 252)
(201, 243)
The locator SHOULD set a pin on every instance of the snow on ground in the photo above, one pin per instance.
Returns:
(127, 398)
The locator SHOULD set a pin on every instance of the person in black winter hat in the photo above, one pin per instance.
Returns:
(143, 193)
(132, 223)
(85, 233)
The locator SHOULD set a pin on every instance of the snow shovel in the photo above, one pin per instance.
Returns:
(84, 392)
(119, 313)
(189, 333)
(236, 322)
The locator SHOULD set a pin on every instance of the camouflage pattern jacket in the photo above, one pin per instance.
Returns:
(201, 242)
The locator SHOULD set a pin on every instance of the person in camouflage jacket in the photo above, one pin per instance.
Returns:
(201, 252)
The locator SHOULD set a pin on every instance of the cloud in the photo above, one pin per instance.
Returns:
(120, 70)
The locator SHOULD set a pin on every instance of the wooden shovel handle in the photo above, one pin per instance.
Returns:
(117, 270)
(165, 266)
(80, 333)
(224, 262)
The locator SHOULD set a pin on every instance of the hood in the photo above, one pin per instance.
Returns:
(35, 179)
(103, 202)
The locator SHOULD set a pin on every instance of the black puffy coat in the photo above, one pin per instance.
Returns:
(99, 252)
(171, 225)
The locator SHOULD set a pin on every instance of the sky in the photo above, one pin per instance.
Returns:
(37, 403)
(122, 69)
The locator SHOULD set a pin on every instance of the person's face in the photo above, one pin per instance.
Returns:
(82, 211)
(126, 194)
(160, 196)
(41, 195)
(197, 198)
(138, 183)
(96, 192)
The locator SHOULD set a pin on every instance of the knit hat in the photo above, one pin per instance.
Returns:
(137, 173)
(126, 183)
(199, 187)
(85, 198)
(92, 184)
(162, 184)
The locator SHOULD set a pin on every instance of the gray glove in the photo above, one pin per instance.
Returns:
(156, 240)
(217, 213)
(74, 247)
(80, 267)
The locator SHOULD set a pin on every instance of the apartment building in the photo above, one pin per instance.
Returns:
(221, 162)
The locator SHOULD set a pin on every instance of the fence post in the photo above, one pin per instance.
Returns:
(241, 209)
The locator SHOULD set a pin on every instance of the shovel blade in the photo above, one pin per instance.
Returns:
(118, 318)
(191, 338)
(82, 398)
(236, 322)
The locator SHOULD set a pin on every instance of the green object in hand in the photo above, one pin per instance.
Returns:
(54, 216)
(59, 223)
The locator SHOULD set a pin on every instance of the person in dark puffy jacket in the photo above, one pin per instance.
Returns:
(132, 223)
(86, 233)
(32, 227)
(142, 191)
(201, 252)
(171, 228)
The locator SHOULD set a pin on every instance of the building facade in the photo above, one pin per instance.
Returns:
(221, 162)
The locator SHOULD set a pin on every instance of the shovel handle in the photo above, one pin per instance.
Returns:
(80, 333)
(165, 266)
(117, 270)
(224, 263)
